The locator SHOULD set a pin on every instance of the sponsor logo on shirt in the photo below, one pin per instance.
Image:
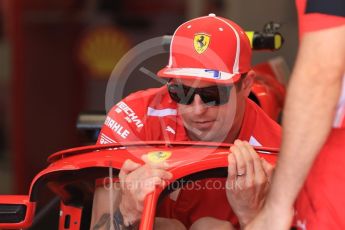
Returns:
(116, 127)
(169, 129)
(106, 140)
(131, 116)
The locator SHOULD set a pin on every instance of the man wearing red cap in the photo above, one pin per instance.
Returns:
(205, 99)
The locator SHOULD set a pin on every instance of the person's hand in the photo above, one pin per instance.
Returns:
(137, 181)
(248, 181)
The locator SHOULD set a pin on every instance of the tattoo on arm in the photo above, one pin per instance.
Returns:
(104, 222)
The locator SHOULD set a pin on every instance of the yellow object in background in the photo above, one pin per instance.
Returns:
(101, 48)
(265, 41)
(250, 35)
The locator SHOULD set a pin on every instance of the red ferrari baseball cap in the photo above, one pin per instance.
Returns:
(208, 48)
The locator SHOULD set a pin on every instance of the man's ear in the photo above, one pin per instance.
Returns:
(248, 82)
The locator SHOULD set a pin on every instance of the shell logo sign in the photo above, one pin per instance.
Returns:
(100, 49)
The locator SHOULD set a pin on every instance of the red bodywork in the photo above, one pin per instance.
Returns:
(30, 210)
(76, 170)
(269, 92)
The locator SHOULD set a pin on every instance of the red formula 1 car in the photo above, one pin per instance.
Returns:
(72, 176)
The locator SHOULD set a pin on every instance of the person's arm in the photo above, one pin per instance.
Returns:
(100, 218)
(125, 210)
(309, 112)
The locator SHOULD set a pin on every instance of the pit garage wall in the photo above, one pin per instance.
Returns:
(253, 15)
(47, 84)
(48, 89)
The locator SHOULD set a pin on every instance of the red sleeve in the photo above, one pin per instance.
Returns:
(319, 15)
(124, 122)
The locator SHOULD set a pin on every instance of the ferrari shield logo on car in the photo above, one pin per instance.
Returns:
(201, 42)
(158, 156)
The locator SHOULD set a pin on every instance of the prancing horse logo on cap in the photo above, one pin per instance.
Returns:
(201, 42)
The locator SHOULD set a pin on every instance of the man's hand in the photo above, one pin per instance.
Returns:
(137, 181)
(248, 181)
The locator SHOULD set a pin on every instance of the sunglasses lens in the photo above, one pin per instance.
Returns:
(212, 96)
(180, 94)
(215, 95)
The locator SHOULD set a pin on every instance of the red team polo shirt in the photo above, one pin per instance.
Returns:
(151, 115)
(321, 202)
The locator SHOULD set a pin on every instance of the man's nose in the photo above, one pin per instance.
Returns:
(199, 107)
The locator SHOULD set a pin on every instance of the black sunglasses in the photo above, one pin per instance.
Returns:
(211, 96)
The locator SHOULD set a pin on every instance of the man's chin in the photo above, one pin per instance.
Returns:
(209, 137)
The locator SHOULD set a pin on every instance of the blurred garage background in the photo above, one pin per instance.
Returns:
(56, 57)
